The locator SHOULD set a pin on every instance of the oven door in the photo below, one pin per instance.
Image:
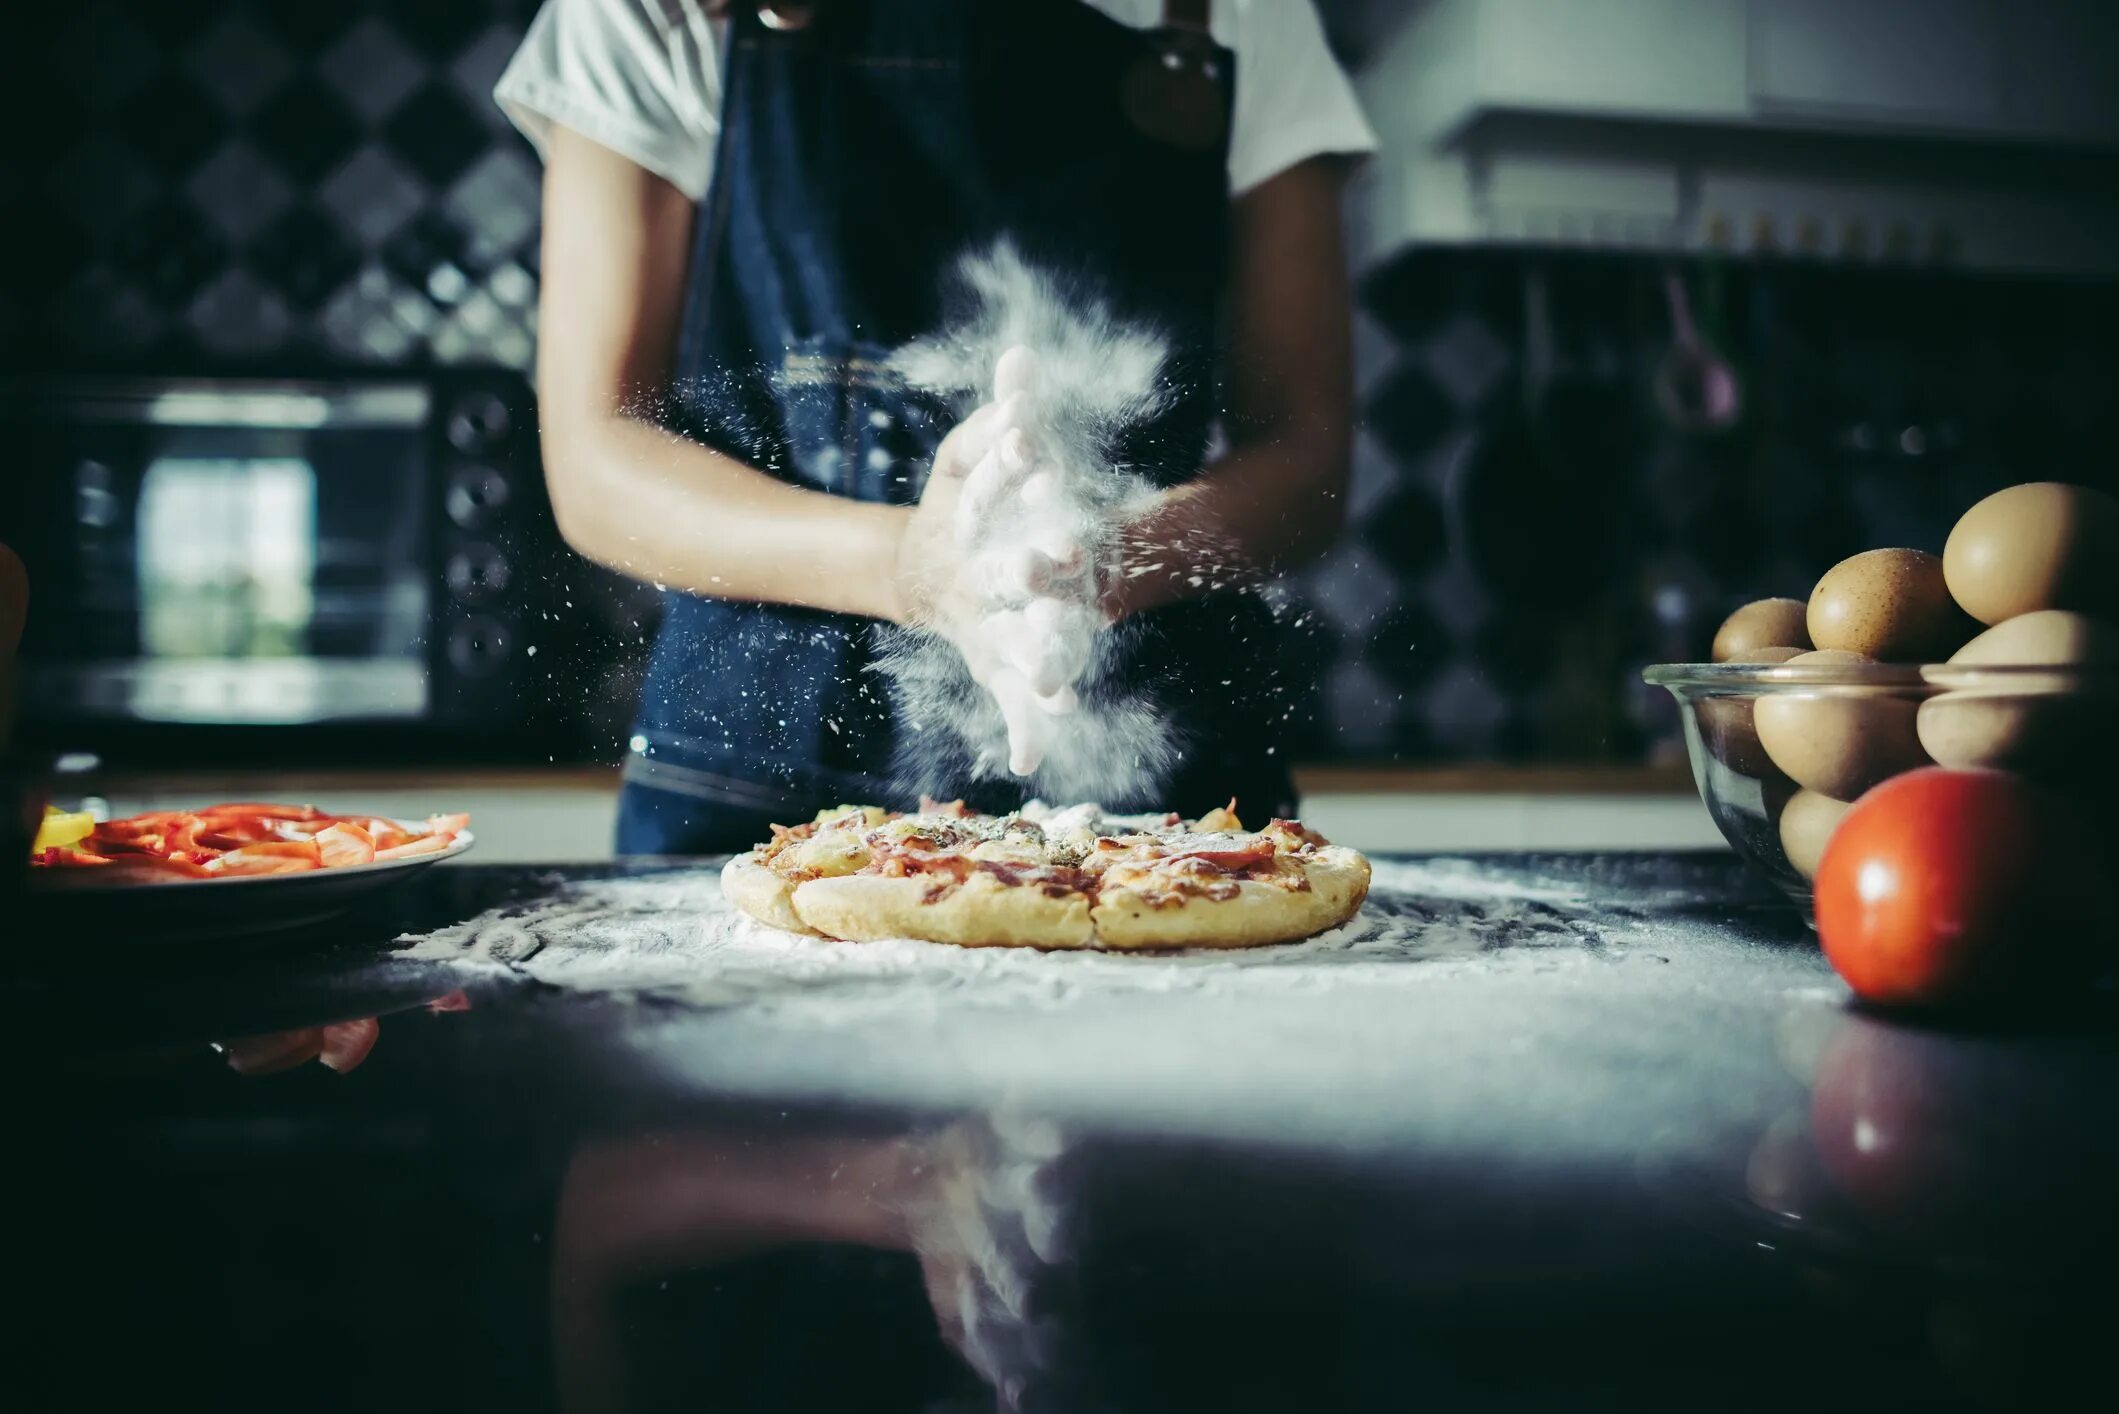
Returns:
(226, 554)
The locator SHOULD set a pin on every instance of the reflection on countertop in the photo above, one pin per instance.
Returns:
(1632, 1148)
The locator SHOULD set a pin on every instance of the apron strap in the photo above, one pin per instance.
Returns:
(1188, 14)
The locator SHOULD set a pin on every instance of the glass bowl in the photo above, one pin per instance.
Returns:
(1779, 750)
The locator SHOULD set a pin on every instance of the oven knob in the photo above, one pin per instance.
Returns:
(477, 573)
(475, 496)
(477, 422)
(479, 646)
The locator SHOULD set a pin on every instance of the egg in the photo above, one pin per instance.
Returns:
(1726, 725)
(1763, 623)
(1835, 740)
(1890, 605)
(2048, 725)
(1807, 822)
(2045, 545)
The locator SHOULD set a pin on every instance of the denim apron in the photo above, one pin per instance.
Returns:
(860, 157)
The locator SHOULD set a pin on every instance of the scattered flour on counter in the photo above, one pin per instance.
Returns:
(675, 934)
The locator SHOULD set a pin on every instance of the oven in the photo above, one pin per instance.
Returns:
(274, 561)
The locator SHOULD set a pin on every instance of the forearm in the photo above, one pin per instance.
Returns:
(1267, 507)
(641, 500)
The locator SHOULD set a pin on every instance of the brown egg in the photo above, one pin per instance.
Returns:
(1725, 722)
(1837, 741)
(1890, 605)
(2045, 545)
(2053, 726)
(1763, 623)
(1807, 822)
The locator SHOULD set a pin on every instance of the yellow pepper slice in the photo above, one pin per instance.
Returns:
(61, 828)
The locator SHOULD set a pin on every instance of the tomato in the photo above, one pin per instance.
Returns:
(1942, 887)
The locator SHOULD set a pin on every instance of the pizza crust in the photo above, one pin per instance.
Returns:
(1260, 913)
(981, 912)
(761, 893)
(1150, 886)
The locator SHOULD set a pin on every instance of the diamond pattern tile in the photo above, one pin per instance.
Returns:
(1349, 588)
(1517, 650)
(304, 256)
(1407, 533)
(238, 315)
(358, 322)
(308, 28)
(435, 133)
(308, 130)
(169, 251)
(372, 69)
(478, 68)
(426, 254)
(221, 179)
(1466, 359)
(1465, 712)
(236, 64)
(1361, 709)
(439, 29)
(239, 191)
(1409, 645)
(372, 195)
(453, 344)
(512, 285)
(1373, 475)
(495, 205)
(512, 347)
(1409, 411)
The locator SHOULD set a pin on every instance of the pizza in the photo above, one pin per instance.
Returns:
(1046, 878)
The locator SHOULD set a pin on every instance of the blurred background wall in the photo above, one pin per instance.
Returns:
(1882, 217)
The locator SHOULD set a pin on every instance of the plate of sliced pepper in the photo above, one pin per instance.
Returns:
(242, 867)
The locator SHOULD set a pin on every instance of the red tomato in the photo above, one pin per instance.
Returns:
(1944, 887)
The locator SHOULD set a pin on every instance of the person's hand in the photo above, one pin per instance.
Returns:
(994, 559)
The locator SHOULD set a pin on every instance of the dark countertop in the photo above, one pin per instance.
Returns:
(1573, 1131)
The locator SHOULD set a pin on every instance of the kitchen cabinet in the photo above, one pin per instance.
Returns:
(1964, 132)
(1919, 62)
(2040, 69)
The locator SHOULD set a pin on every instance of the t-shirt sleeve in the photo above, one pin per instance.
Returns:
(1292, 100)
(637, 76)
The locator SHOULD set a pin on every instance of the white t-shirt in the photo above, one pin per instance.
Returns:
(643, 78)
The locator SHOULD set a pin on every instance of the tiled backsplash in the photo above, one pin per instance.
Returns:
(1521, 544)
(245, 183)
(267, 185)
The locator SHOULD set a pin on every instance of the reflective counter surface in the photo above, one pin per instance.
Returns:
(1622, 1144)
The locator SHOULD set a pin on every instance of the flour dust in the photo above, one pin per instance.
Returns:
(1026, 685)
